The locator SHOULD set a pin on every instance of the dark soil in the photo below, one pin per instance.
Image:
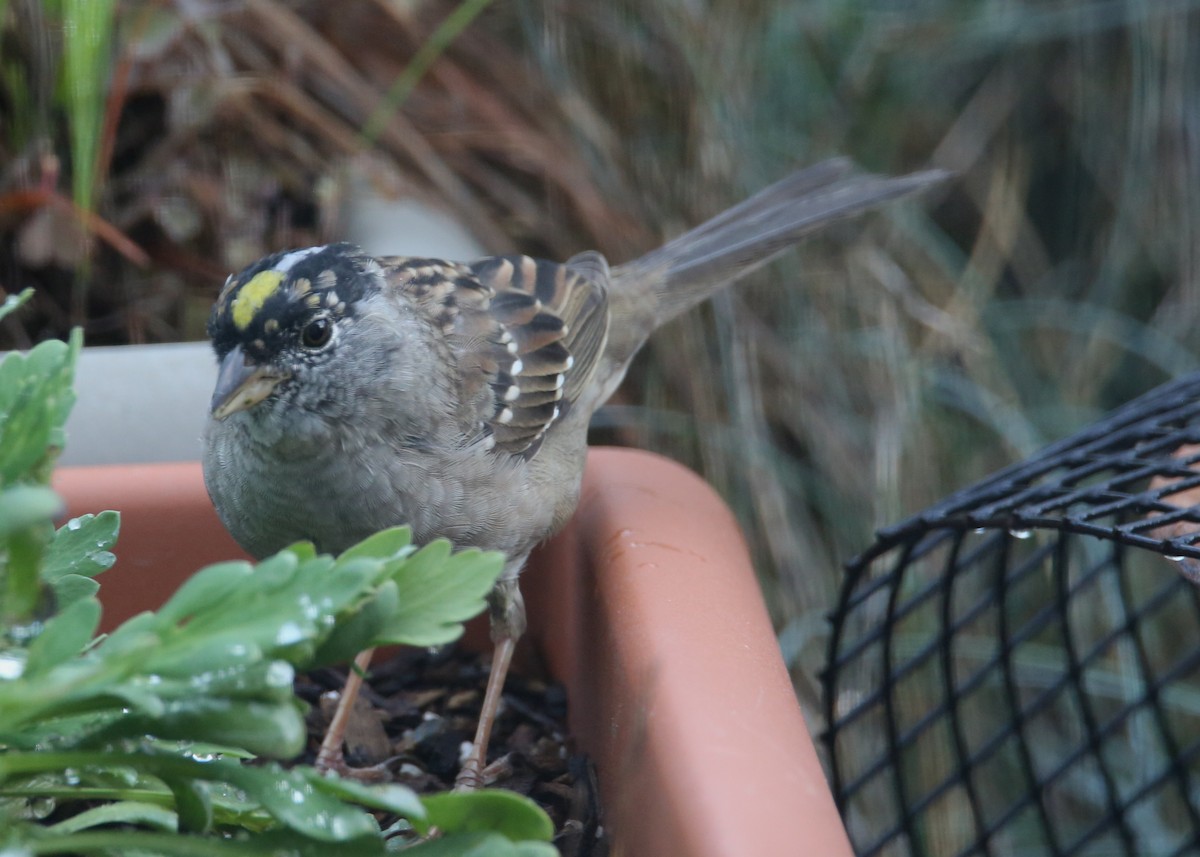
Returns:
(419, 707)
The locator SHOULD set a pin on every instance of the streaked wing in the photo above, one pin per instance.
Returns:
(558, 318)
(526, 334)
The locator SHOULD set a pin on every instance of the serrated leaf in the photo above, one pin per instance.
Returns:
(337, 588)
(507, 813)
(207, 588)
(357, 632)
(82, 546)
(63, 637)
(278, 570)
(35, 398)
(283, 608)
(46, 359)
(62, 403)
(394, 542)
(438, 592)
(137, 633)
(12, 375)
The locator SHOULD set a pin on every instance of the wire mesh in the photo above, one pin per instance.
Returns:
(1016, 670)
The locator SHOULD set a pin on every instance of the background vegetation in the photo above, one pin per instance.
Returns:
(862, 378)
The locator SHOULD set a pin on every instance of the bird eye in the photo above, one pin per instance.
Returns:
(317, 332)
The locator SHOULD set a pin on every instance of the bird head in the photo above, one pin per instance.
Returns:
(278, 325)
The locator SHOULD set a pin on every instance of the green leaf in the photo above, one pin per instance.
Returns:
(61, 402)
(25, 526)
(198, 654)
(302, 551)
(390, 797)
(293, 800)
(208, 588)
(284, 607)
(438, 592)
(395, 542)
(214, 665)
(287, 842)
(13, 302)
(82, 546)
(193, 803)
(23, 506)
(287, 795)
(35, 398)
(121, 812)
(257, 697)
(281, 608)
(276, 572)
(46, 359)
(136, 634)
(264, 681)
(276, 731)
(70, 588)
(479, 844)
(360, 629)
(141, 843)
(64, 637)
(503, 812)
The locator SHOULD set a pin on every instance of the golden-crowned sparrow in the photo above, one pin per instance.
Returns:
(356, 393)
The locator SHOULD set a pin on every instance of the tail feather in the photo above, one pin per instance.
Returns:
(796, 186)
(689, 269)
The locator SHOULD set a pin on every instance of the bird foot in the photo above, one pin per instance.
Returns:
(470, 775)
(336, 762)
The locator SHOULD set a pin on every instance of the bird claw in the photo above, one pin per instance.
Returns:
(470, 776)
(336, 763)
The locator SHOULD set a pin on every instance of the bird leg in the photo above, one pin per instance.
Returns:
(507, 614)
(331, 756)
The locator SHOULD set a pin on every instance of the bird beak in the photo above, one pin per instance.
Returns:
(241, 384)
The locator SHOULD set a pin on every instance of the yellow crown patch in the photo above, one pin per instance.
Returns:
(253, 295)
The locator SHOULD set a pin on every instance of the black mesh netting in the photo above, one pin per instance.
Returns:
(1016, 670)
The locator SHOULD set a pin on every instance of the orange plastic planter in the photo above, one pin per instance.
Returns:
(645, 607)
